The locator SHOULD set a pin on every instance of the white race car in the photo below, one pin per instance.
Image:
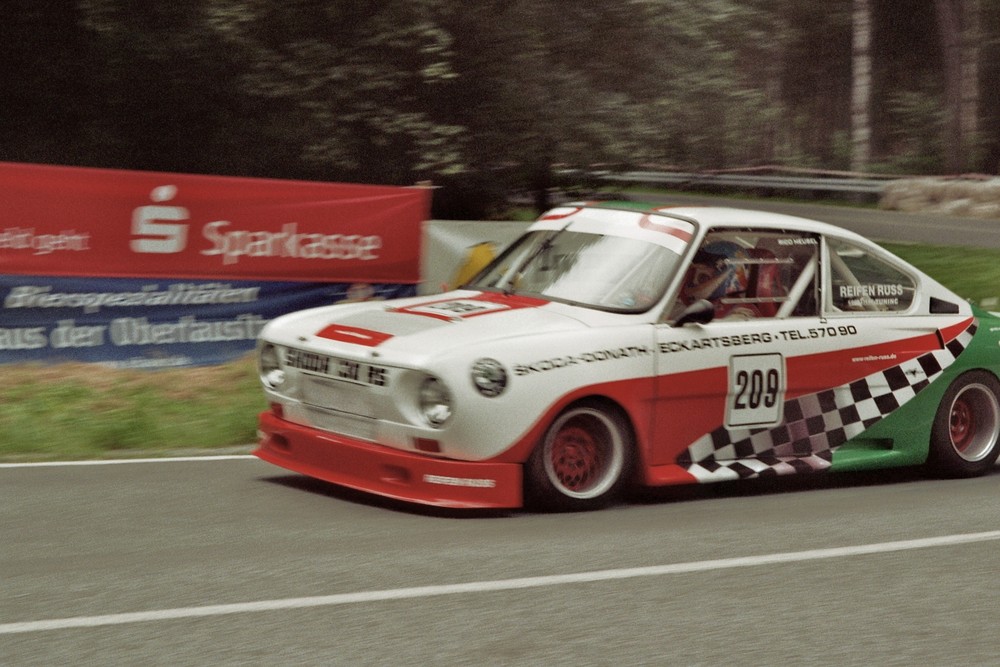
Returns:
(618, 345)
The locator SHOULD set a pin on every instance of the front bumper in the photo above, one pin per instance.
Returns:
(388, 472)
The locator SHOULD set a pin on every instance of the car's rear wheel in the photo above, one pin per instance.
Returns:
(965, 437)
(583, 460)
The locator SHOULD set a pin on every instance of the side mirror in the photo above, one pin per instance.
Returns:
(700, 312)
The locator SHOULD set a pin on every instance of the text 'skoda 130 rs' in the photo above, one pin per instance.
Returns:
(615, 345)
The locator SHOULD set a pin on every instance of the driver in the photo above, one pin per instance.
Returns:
(719, 273)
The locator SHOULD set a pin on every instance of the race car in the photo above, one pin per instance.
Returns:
(620, 345)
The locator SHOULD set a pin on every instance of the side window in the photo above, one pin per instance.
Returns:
(863, 282)
(747, 273)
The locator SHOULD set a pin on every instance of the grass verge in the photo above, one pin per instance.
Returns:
(85, 411)
(972, 273)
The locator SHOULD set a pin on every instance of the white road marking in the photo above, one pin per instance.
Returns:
(111, 462)
(493, 586)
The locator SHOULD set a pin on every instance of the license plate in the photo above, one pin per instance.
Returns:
(341, 369)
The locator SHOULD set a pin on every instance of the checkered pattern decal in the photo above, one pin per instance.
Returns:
(816, 424)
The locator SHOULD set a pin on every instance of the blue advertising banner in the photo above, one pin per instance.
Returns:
(148, 323)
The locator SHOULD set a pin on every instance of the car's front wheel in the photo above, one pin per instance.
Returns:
(583, 460)
(965, 437)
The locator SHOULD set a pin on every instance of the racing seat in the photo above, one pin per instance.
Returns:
(767, 281)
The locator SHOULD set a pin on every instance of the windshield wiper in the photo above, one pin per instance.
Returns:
(544, 247)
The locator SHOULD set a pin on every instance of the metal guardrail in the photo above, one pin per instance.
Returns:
(733, 180)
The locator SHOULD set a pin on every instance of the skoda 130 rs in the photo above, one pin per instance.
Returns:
(617, 345)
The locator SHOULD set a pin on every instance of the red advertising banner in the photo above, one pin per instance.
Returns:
(69, 221)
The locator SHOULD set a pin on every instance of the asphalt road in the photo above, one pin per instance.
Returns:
(928, 228)
(233, 562)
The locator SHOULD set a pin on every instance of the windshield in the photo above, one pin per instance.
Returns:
(594, 270)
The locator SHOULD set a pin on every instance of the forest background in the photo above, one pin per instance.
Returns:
(486, 98)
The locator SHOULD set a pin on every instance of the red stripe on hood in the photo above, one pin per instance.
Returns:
(344, 334)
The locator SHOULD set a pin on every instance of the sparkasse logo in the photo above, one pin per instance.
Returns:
(163, 229)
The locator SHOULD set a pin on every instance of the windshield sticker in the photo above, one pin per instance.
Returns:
(561, 213)
(860, 296)
(798, 240)
(682, 230)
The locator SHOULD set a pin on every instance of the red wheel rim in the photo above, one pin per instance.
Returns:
(962, 425)
(576, 458)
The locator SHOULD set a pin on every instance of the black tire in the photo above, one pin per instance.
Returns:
(583, 461)
(966, 430)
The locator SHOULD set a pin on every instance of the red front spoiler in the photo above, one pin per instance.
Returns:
(388, 472)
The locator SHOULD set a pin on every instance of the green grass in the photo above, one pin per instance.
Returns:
(83, 411)
(86, 411)
(972, 273)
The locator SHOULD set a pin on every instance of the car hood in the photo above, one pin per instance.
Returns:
(407, 329)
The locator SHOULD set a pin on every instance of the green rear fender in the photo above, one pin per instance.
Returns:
(903, 438)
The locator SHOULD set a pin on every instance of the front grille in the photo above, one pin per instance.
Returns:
(352, 426)
(347, 397)
(344, 408)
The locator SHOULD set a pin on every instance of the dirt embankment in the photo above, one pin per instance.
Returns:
(967, 197)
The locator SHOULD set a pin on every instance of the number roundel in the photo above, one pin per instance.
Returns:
(756, 390)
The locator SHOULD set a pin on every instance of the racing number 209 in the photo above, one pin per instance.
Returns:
(756, 390)
(756, 387)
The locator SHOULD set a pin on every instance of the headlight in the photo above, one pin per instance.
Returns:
(269, 362)
(435, 402)
(489, 376)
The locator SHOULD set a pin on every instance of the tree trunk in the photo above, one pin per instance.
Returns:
(861, 131)
(971, 53)
(958, 26)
